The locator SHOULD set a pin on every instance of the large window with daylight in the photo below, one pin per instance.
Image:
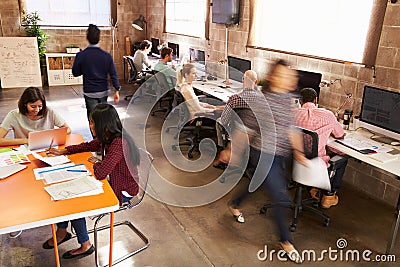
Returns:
(341, 30)
(78, 13)
(187, 17)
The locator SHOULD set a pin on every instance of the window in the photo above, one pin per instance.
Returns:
(78, 13)
(187, 17)
(331, 29)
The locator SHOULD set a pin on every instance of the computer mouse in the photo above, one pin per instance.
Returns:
(395, 143)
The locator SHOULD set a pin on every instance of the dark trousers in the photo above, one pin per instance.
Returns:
(91, 103)
(336, 179)
(79, 226)
(273, 168)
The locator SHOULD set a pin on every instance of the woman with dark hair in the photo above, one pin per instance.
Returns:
(32, 115)
(120, 158)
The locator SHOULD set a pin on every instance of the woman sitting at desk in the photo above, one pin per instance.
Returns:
(185, 77)
(120, 158)
(31, 115)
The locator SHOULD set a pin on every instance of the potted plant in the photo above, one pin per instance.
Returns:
(32, 29)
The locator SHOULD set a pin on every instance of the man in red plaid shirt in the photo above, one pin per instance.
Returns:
(324, 123)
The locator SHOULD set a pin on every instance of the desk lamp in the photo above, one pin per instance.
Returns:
(140, 24)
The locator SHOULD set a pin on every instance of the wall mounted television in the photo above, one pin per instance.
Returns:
(238, 67)
(380, 111)
(175, 49)
(226, 11)
(309, 79)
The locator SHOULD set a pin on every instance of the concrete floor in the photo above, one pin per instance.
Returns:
(205, 235)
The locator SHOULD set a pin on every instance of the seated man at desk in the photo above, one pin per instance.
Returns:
(324, 123)
(162, 65)
(235, 101)
(140, 59)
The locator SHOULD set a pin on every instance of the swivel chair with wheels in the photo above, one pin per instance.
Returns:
(310, 140)
(144, 168)
(197, 127)
(135, 77)
(164, 93)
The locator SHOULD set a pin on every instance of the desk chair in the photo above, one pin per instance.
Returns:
(146, 161)
(195, 127)
(310, 140)
(164, 93)
(135, 77)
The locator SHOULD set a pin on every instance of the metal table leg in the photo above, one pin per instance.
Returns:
(395, 228)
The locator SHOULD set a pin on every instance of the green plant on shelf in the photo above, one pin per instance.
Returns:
(32, 29)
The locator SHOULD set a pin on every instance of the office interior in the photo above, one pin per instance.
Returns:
(208, 235)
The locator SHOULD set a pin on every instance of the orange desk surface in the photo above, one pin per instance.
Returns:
(25, 204)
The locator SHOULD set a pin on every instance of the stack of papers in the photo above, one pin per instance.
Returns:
(12, 157)
(61, 173)
(84, 186)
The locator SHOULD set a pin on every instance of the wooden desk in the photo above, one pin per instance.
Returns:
(391, 167)
(25, 204)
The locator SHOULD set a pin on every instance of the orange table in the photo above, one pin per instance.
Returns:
(24, 204)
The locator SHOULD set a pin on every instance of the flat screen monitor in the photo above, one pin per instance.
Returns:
(197, 56)
(175, 49)
(155, 42)
(309, 79)
(381, 108)
(238, 66)
(226, 11)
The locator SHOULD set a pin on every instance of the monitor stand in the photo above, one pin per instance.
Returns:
(384, 139)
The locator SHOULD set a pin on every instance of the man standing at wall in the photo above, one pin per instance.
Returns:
(95, 65)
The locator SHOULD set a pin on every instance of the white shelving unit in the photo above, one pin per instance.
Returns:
(59, 69)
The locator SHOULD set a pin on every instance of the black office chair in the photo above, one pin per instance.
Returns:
(164, 92)
(135, 77)
(196, 127)
(310, 141)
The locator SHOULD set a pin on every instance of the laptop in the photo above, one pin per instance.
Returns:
(43, 139)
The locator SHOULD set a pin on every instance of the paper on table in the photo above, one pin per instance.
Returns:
(83, 186)
(12, 157)
(61, 173)
(38, 172)
(52, 161)
(315, 174)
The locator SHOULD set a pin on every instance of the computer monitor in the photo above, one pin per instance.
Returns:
(380, 111)
(175, 49)
(309, 79)
(155, 42)
(238, 66)
(197, 56)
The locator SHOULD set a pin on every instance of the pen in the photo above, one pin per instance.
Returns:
(52, 140)
(76, 170)
(61, 168)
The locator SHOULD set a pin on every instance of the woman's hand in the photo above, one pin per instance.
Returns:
(56, 152)
(93, 159)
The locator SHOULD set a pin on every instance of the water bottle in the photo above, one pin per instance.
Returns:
(346, 118)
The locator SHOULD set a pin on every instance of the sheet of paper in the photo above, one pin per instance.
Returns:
(13, 157)
(84, 186)
(315, 174)
(38, 172)
(52, 161)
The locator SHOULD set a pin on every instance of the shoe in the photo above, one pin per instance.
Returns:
(15, 234)
(239, 218)
(329, 201)
(65, 239)
(315, 193)
(68, 255)
(291, 252)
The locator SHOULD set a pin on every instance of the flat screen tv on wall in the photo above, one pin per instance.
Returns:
(226, 11)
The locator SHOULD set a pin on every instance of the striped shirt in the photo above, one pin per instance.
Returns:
(321, 121)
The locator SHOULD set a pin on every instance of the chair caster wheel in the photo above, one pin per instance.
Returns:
(326, 222)
(263, 210)
(292, 228)
(222, 179)
(190, 155)
(173, 147)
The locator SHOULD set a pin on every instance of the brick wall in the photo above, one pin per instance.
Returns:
(353, 78)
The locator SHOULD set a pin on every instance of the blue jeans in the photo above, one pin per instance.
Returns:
(79, 227)
(91, 103)
(275, 185)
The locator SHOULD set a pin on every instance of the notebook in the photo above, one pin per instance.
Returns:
(43, 139)
(10, 170)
